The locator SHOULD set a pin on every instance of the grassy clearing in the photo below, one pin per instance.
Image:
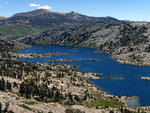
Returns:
(73, 111)
(25, 107)
(101, 101)
(44, 42)
(93, 45)
(18, 31)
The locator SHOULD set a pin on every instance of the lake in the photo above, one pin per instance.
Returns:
(131, 85)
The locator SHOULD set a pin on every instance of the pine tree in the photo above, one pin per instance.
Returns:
(14, 84)
(6, 106)
(70, 97)
(77, 98)
(3, 84)
(8, 85)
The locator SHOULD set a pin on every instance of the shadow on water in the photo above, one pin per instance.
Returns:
(133, 102)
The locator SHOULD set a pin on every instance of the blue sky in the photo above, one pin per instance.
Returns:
(138, 10)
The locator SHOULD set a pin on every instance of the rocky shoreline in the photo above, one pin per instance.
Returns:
(93, 76)
(68, 81)
(142, 60)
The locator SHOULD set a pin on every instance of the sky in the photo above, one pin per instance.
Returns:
(135, 10)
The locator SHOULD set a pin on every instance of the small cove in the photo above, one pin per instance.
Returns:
(131, 85)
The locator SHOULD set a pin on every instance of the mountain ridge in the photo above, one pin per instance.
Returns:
(42, 17)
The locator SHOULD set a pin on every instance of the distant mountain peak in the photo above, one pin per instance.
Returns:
(108, 17)
(33, 13)
(75, 15)
(72, 12)
(42, 10)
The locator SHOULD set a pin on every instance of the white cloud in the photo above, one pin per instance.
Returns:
(34, 5)
(44, 7)
(39, 6)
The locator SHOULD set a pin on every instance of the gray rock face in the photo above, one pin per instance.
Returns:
(91, 35)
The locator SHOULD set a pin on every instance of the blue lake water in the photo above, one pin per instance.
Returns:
(131, 85)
